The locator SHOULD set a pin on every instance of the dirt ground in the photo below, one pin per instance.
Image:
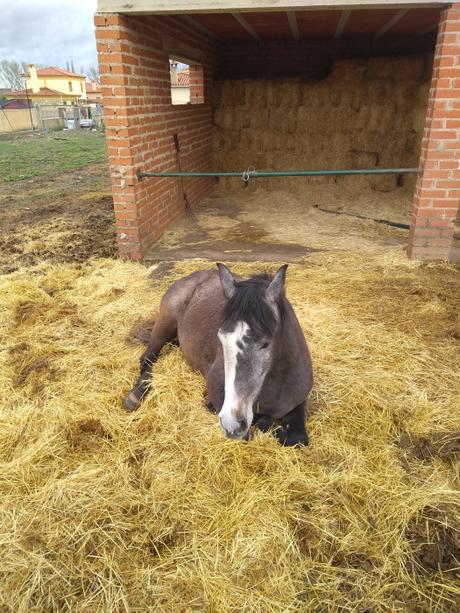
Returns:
(54, 212)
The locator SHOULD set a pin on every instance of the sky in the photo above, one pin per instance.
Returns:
(48, 32)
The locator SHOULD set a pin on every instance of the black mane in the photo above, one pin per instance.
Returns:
(248, 304)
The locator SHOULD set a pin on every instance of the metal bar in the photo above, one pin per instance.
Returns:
(254, 174)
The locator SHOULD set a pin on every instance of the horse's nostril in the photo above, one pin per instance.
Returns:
(243, 424)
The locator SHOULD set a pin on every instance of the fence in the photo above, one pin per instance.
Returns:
(12, 120)
(51, 117)
(48, 117)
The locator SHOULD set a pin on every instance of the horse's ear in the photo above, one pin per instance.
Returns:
(227, 280)
(276, 287)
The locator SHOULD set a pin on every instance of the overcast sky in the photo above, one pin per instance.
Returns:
(48, 32)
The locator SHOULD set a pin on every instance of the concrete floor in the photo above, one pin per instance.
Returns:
(256, 224)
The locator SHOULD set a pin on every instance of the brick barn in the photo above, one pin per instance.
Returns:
(305, 84)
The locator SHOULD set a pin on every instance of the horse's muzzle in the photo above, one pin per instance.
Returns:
(241, 430)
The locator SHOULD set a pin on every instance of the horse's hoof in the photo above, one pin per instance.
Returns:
(291, 439)
(264, 423)
(131, 402)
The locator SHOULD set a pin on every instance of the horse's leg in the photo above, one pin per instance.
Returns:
(211, 408)
(163, 331)
(293, 427)
(262, 422)
(215, 382)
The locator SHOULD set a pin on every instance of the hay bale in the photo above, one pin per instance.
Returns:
(374, 105)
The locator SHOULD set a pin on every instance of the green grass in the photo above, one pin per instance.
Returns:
(36, 156)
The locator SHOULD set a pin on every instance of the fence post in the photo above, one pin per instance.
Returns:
(38, 111)
(76, 118)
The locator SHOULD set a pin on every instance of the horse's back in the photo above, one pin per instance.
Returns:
(197, 302)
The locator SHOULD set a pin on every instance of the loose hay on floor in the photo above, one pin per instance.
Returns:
(103, 511)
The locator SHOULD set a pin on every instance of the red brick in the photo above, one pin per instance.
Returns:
(140, 124)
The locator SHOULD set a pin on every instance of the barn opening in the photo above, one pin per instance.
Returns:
(291, 88)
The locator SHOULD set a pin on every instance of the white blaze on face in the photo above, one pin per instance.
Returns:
(228, 418)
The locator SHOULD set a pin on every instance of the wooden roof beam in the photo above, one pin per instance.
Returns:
(391, 23)
(247, 26)
(159, 7)
(429, 29)
(344, 17)
(198, 26)
(293, 24)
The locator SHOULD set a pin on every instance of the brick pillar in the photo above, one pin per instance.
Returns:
(115, 66)
(437, 191)
(196, 84)
(141, 123)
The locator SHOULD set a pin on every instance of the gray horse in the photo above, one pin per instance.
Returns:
(244, 337)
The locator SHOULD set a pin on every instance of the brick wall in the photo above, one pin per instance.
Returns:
(140, 120)
(437, 193)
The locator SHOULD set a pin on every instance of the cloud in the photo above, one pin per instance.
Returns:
(48, 32)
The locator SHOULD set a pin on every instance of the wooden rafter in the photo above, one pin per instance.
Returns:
(247, 26)
(344, 17)
(392, 22)
(293, 24)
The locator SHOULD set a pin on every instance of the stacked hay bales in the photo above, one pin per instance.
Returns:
(367, 113)
(156, 511)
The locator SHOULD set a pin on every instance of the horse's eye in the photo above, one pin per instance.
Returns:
(265, 345)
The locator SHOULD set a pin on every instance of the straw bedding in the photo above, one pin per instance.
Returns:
(103, 511)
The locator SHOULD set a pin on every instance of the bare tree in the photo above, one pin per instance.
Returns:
(11, 73)
(93, 73)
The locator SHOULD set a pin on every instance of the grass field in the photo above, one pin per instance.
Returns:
(55, 199)
(23, 157)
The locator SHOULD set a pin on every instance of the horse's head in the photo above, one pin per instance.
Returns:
(248, 336)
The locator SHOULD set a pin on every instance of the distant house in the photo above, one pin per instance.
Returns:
(180, 85)
(52, 85)
(93, 92)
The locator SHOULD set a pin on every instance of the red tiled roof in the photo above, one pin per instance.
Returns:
(183, 79)
(54, 71)
(44, 91)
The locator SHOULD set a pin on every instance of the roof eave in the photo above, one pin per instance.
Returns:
(171, 7)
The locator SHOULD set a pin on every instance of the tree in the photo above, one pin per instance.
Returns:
(11, 73)
(93, 73)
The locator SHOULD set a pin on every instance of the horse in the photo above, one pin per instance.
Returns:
(245, 338)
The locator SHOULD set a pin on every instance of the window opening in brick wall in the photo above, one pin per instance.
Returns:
(187, 82)
(180, 82)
